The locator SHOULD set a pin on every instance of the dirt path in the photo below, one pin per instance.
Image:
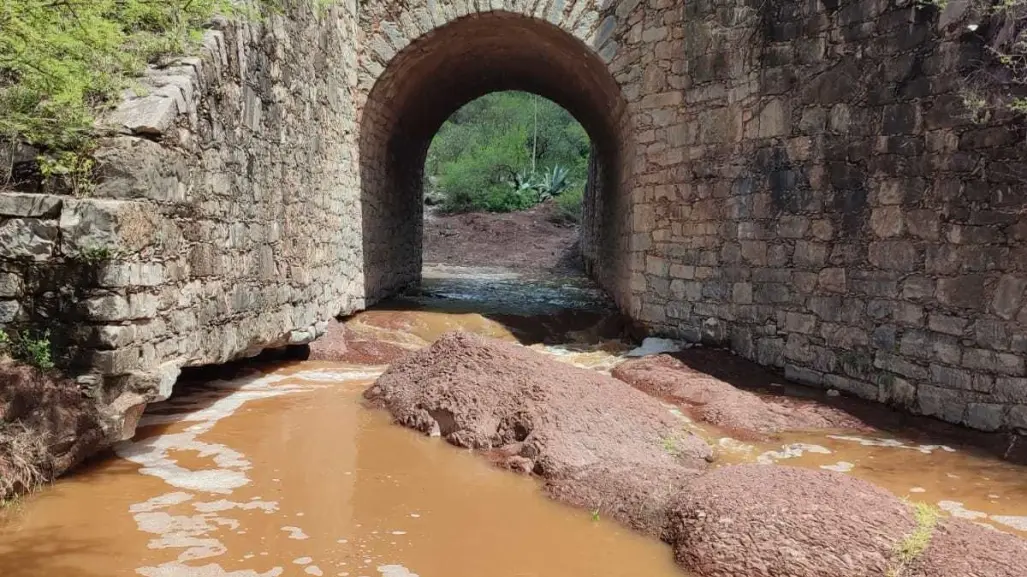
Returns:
(526, 241)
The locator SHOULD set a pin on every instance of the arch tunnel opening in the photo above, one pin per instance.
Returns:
(421, 86)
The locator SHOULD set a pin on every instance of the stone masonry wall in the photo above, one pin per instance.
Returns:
(225, 219)
(795, 179)
(830, 209)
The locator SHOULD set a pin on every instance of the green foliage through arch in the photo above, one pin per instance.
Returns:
(507, 151)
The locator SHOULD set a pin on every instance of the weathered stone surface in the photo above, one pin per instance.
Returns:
(887, 221)
(947, 324)
(1008, 296)
(1017, 418)
(1011, 390)
(28, 239)
(9, 311)
(893, 255)
(151, 115)
(131, 274)
(121, 308)
(10, 285)
(106, 228)
(962, 292)
(943, 403)
(898, 392)
(24, 205)
(984, 416)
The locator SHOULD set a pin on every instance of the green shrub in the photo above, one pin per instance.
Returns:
(503, 152)
(480, 178)
(35, 351)
(62, 61)
(568, 205)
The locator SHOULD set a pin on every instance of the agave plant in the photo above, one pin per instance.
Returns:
(553, 183)
(524, 182)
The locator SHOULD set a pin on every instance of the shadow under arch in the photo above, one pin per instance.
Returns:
(431, 78)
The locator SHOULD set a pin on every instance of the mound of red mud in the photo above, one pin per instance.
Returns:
(598, 443)
(717, 402)
(47, 426)
(767, 521)
(960, 548)
(770, 520)
(341, 344)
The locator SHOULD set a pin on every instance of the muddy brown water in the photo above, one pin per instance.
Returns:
(281, 470)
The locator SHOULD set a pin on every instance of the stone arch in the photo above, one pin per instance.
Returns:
(418, 69)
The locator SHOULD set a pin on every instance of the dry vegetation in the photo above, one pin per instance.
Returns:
(24, 459)
(47, 425)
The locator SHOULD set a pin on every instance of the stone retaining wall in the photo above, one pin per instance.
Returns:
(834, 212)
(225, 219)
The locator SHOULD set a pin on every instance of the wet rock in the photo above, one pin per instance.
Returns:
(717, 402)
(764, 521)
(599, 443)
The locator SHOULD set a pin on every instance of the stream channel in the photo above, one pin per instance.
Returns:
(277, 467)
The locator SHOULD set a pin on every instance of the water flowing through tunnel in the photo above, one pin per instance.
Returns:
(423, 84)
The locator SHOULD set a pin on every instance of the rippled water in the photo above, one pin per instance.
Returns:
(287, 474)
(282, 470)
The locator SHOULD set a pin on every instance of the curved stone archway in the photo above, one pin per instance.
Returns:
(416, 88)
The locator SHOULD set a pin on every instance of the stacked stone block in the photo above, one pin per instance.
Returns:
(829, 208)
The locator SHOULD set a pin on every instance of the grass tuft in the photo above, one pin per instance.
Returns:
(909, 550)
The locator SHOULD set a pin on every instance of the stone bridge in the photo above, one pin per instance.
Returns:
(797, 179)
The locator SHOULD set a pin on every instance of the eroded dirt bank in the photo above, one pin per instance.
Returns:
(524, 240)
(714, 401)
(765, 521)
(47, 426)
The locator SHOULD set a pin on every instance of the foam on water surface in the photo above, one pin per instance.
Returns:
(156, 456)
